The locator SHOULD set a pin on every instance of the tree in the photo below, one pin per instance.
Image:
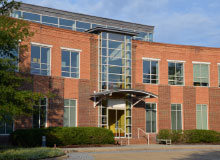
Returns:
(14, 99)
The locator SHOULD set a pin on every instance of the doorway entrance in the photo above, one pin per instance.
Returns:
(116, 122)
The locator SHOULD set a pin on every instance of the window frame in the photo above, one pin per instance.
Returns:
(151, 117)
(206, 63)
(177, 61)
(42, 45)
(151, 59)
(76, 119)
(46, 125)
(71, 50)
(13, 128)
(207, 115)
(176, 116)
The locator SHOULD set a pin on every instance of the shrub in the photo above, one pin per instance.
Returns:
(201, 136)
(190, 136)
(62, 136)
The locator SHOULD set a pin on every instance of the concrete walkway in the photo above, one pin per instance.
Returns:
(151, 152)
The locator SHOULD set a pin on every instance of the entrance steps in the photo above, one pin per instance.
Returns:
(136, 140)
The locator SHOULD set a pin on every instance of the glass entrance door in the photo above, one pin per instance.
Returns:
(116, 122)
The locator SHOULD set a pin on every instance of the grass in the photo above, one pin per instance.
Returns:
(29, 153)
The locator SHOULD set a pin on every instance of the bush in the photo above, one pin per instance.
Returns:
(62, 136)
(190, 136)
(201, 136)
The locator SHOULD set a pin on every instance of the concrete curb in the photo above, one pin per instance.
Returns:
(137, 147)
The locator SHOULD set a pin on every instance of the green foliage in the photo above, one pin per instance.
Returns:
(7, 7)
(29, 153)
(62, 136)
(14, 101)
(201, 136)
(190, 136)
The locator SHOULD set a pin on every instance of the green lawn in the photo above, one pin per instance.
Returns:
(29, 153)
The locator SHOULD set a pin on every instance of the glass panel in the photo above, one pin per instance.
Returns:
(115, 61)
(104, 51)
(179, 69)
(31, 16)
(179, 120)
(115, 53)
(196, 70)
(154, 121)
(173, 107)
(171, 70)
(35, 71)
(117, 70)
(104, 43)
(16, 14)
(2, 128)
(42, 116)
(198, 120)
(74, 59)
(104, 35)
(45, 55)
(73, 103)
(204, 118)
(65, 74)
(204, 70)
(64, 27)
(115, 78)
(72, 116)
(146, 67)
(66, 117)
(154, 65)
(114, 44)
(75, 75)
(148, 121)
(48, 19)
(35, 54)
(82, 25)
(173, 120)
(66, 102)
(117, 37)
(66, 22)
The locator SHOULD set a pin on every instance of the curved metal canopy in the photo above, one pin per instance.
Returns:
(137, 93)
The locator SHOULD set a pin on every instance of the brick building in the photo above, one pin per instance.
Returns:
(109, 73)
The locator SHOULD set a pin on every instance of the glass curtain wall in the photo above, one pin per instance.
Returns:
(114, 71)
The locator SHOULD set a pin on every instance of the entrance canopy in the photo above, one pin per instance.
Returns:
(136, 95)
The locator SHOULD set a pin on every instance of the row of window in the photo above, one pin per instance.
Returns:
(72, 24)
(176, 72)
(40, 61)
(176, 117)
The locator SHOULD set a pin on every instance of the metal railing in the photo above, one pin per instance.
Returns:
(147, 134)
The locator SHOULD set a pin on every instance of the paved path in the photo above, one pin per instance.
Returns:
(151, 152)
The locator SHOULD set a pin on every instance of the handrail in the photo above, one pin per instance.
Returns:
(147, 134)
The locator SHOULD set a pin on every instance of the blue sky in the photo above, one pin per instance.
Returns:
(188, 22)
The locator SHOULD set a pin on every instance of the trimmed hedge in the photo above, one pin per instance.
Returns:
(190, 136)
(62, 136)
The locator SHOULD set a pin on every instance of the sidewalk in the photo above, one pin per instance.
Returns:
(141, 147)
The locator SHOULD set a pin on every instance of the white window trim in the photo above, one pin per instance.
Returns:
(174, 61)
(208, 63)
(196, 62)
(76, 111)
(176, 115)
(74, 50)
(177, 61)
(146, 118)
(151, 59)
(206, 115)
(41, 44)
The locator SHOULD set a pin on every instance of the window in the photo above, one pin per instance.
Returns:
(150, 71)
(40, 60)
(218, 75)
(6, 127)
(201, 74)
(31, 16)
(176, 116)
(201, 116)
(175, 73)
(151, 117)
(70, 63)
(40, 114)
(51, 21)
(69, 118)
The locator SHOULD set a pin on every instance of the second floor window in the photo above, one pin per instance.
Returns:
(70, 64)
(201, 74)
(40, 60)
(175, 73)
(150, 71)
